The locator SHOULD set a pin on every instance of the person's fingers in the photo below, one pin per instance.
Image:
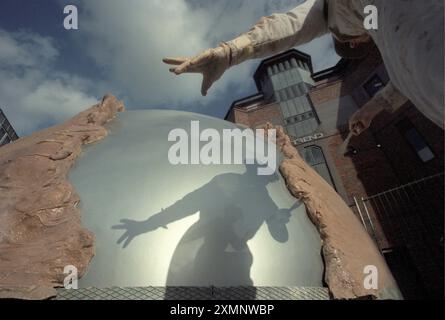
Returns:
(191, 66)
(206, 84)
(175, 61)
(189, 70)
(354, 123)
(352, 128)
(357, 128)
(123, 237)
(182, 68)
(119, 227)
(127, 242)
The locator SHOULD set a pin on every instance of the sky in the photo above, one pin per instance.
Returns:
(48, 74)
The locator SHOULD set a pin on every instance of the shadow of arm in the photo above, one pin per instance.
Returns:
(179, 210)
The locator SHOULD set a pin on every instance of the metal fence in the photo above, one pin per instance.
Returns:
(195, 293)
(407, 224)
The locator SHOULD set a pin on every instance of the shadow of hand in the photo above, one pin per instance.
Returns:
(133, 229)
(277, 225)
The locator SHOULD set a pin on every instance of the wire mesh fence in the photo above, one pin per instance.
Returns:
(195, 293)
(407, 224)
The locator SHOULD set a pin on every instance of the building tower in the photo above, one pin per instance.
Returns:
(286, 79)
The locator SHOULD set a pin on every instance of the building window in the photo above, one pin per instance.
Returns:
(5, 141)
(287, 65)
(2, 133)
(313, 155)
(374, 85)
(3, 137)
(416, 141)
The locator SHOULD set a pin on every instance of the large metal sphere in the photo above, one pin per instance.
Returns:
(224, 224)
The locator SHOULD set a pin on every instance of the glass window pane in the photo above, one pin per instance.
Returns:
(300, 106)
(283, 95)
(308, 156)
(323, 171)
(290, 94)
(418, 143)
(426, 154)
(314, 156)
(287, 78)
(318, 155)
(414, 139)
(296, 90)
(4, 141)
(314, 124)
(306, 105)
(307, 128)
(275, 69)
(291, 130)
(374, 85)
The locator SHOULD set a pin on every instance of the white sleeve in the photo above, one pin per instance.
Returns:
(281, 31)
(391, 97)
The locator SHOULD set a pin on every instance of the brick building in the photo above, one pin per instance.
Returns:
(392, 175)
(7, 132)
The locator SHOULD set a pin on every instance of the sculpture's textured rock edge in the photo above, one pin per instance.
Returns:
(40, 229)
(347, 247)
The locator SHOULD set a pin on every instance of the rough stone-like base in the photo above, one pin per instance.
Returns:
(40, 230)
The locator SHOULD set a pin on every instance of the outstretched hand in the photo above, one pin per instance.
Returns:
(211, 63)
(361, 120)
(133, 229)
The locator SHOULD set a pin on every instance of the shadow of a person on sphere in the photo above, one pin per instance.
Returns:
(214, 251)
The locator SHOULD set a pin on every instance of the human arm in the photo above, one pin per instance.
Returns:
(389, 99)
(270, 35)
(179, 210)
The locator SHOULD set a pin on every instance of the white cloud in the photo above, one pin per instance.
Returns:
(33, 94)
(129, 39)
(22, 49)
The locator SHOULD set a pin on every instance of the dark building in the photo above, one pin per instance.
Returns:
(7, 132)
(392, 175)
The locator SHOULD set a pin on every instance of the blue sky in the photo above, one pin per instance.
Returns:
(48, 74)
